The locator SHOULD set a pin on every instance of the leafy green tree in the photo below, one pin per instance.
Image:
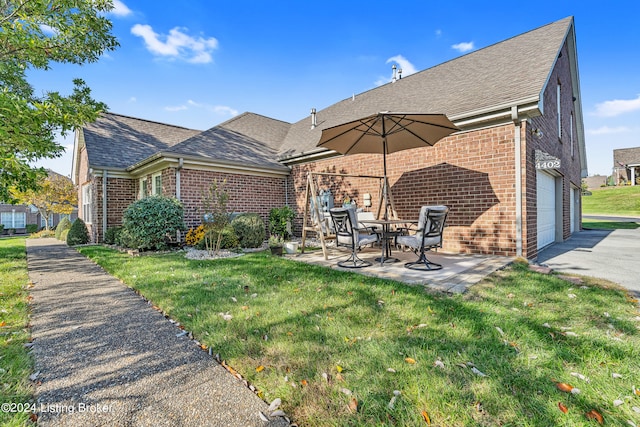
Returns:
(34, 34)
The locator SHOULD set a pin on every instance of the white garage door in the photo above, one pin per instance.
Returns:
(546, 209)
(572, 209)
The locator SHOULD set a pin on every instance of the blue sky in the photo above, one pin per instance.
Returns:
(198, 63)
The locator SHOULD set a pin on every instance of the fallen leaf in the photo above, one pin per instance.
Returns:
(616, 375)
(582, 377)
(636, 409)
(260, 368)
(339, 368)
(393, 371)
(353, 404)
(477, 372)
(563, 408)
(409, 360)
(3, 324)
(595, 415)
(278, 413)
(304, 383)
(438, 364)
(564, 387)
(346, 391)
(617, 402)
(631, 423)
(275, 404)
(636, 391)
(500, 330)
(339, 377)
(263, 417)
(426, 418)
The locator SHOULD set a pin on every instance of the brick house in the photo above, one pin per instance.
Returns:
(511, 176)
(626, 166)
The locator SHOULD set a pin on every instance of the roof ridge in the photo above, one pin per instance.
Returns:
(149, 121)
(247, 113)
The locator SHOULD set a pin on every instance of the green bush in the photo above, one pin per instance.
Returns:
(77, 234)
(112, 236)
(148, 223)
(1, 228)
(64, 224)
(64, 235)
(250, 230)
(229, 240)
(32, 228)
(280, 221)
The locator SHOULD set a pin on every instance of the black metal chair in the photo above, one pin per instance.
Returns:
(350, 235)
(427, 236)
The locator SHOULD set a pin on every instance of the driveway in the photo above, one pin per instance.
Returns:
(608, 254)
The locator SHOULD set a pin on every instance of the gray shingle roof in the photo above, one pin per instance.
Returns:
(270, 131)
(504, 73)
(118, 141)
(225, 145)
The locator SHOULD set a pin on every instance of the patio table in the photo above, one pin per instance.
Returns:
(386, 235)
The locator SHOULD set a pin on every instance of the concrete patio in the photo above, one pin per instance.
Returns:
(457, 274)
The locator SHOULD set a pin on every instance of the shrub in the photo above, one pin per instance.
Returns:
(280, 221)
(1, 228)
(42, 234)
(194, 235)
(147, 223)
(249, 228)
(64, 224)
(32, 228)
(64, 235)
(77, 234)
(112, 235)
(229, 239)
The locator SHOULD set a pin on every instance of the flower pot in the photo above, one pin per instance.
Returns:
(276, 250)
(291, 247)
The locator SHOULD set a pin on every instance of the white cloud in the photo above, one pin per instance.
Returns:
(438, 33)
(120, 9)
(617, 107)
(606, 130)
(221, 110)
(176, 108)
(463, 47)
(47, 30)
(403, 64)
(177, 44)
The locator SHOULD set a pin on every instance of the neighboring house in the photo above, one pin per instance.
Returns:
(511, 176)
(595, 181)
(17, 217)
(626, 166)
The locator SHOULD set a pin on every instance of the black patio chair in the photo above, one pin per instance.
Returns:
(350, 235)
(427, 236)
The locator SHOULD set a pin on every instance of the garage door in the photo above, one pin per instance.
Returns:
(572, 209)
(546, 209)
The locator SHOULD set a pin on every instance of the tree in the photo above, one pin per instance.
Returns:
(216, 217)
(54, 194)
(33, 34)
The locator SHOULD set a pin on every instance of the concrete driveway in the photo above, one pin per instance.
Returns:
(608, 254)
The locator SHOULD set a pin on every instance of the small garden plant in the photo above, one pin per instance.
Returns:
(77, 234)
(150, 223)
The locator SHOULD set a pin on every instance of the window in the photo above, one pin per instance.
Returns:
(559, 111)
(14, 219)
(144, 188)
(87, 201)
(156, 184)
(571, 134)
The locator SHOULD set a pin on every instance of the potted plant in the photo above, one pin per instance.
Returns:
(275, 244)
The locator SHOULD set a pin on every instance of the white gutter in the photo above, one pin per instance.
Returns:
(104, 204)
(180, 164)
(518, 167)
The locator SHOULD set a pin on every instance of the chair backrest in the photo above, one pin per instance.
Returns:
(431, 222)
(343, 220)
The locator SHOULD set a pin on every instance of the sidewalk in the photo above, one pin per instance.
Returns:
(104, 357)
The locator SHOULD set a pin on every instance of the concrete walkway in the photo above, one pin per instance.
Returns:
(607, 254)
(104, 357)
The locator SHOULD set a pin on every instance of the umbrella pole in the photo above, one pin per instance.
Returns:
(385, 184)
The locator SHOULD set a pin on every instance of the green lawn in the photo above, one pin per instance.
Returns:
(608, 225)
(613, 201)
(15, 363)
(322, 340)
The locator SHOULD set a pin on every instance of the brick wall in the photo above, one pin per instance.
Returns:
(558, 145)
(472, 173)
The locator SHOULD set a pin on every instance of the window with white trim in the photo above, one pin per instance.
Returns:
(87, 201)
(571, 134)
(156, 184)
(559, 110)
(144, 188)
(13, 219)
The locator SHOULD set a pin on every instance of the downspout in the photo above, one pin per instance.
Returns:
(104, 203)
(180, 164)
(518, 167)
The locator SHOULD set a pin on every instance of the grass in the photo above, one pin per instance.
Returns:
(613, 201)
(608, 225)
(15, 362)
(311, 335)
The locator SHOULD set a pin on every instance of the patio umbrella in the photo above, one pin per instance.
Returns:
(387, 132)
